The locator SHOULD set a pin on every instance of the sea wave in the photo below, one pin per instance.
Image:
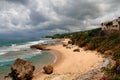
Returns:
(36, 42)
(15, 47)
(2, 53)
(10, 53)
(25, 55)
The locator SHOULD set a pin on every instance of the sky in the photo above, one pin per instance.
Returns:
(35, 18)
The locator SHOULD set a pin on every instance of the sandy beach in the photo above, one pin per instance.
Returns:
(70, 64)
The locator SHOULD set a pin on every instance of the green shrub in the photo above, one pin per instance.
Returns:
(91, 46)
(117, 77)
(117, 54)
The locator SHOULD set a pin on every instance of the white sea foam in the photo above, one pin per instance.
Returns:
(2, 53)
(14, 51)
(8, 54)
(15, 47)
(36, 42)
(29, 54)
(20, 54)
(37, 52)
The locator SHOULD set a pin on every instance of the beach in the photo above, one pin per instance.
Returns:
(68, 64)
(13, 49)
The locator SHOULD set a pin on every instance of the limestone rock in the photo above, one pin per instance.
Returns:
(64, 45)
(22, 70)
(76, 50)
(40, 47)
(48, 69)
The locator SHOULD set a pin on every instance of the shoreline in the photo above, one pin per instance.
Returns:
(54, 63)
(61, 59)
(58, 57)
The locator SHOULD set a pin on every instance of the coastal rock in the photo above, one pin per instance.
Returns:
(70, 42)
(64, 45)
(22, 70)
(40, 47)
(89, 75)
(48, 69)
(69, 46)
(76, 50)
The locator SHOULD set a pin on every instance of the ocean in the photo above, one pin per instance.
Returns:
(10, 50)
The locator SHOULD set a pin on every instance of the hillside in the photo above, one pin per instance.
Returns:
(105, 42)
(65, 35)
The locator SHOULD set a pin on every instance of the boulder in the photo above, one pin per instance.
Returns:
(70, 42)
(64, 45)
(69, 46)
(40, 47)
(22, 70)
(76, 50)
(48, 69)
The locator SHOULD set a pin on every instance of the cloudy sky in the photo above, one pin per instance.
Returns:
(21, 18)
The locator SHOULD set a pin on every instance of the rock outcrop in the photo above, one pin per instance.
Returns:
(40, 47)
(76, 50)
(90, 75)
(64, 45)
(22, 70)
(48, 69)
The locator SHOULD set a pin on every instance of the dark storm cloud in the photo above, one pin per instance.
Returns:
(54, 16)
(37, 17)
(79, 9)
(19, 1)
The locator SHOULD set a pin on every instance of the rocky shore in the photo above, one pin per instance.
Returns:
(21, 70)
(40, 47)
(90, 75)
(73, 64)
(70, 65)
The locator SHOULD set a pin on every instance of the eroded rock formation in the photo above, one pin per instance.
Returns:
(48, 69)
(76, 50)
(22, 70)
(40, 47)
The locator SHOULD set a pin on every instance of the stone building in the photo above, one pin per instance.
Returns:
(111, 25)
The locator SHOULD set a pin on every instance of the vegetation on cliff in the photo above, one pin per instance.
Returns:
(105, 42)
(65, 35)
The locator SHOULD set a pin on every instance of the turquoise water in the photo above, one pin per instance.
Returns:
(9, 42)
(8, 54)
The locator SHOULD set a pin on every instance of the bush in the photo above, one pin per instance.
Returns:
(114, 72)
(91, 46)
(95, 43)
(117, 54)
